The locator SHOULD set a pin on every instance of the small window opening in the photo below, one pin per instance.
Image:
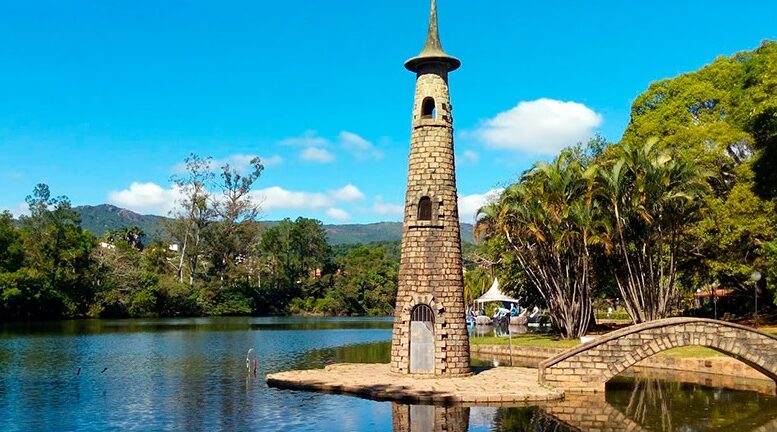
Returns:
(422, 312)
(428, 110)
(425, 208)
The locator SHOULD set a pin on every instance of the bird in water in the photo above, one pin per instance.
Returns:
(248, 360)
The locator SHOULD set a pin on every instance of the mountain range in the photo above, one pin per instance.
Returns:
(105, 217)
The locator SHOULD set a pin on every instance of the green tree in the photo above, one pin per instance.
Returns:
(727, 241)
(548, 222)
(11, 248)
(57, 273)
(647, 198)
(692, 114)
(235, 234)
(756, 112)
(292, 253)
(193, 214)
(366, 284)
(132, 236)
(476, 282)
(722, 117)
(124, 287)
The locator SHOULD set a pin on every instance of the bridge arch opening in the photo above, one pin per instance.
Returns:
(695, 361)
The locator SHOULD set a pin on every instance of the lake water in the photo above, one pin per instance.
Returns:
(190, 375)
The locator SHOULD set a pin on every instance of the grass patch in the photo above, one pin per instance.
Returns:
(551, 341)
(531, 339)
(542, 340)
(769, 329)
(616, 316)
(690, 352)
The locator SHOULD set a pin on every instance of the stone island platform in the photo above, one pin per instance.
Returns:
(496, 386)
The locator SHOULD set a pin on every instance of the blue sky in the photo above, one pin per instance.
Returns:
(102, 100)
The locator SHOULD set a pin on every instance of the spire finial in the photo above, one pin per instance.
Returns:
(433, 51)
(433, 37)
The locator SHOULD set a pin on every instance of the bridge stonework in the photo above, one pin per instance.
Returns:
(588, 367)
(586, 413)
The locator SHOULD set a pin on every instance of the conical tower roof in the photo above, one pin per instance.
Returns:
(433, 52)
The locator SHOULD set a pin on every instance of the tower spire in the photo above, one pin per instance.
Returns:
(433, 37)
(432, 51)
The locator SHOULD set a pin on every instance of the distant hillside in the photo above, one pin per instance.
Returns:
(381, 231)
(103, 218)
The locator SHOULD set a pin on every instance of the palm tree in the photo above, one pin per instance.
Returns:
(647, 197)
(476, 282)
(547, 223)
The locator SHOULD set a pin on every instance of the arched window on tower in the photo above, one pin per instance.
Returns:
(425, 208)
(428, 110)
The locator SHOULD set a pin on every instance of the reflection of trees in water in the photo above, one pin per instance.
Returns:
(674, 406)
(641, 404)
(646, 398)
(530, 419)
(378, 352)
(156, 325)
(630, 404)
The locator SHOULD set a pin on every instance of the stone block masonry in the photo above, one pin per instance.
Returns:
(588, 367)
(497, 386)
(429, 418)
(430, 272)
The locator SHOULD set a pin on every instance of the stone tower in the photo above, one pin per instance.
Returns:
(430, 332)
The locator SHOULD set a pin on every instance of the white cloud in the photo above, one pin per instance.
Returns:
(13, 175)
(146, 198)
(358, 146)
(339, 214)
(470, 156)
(239, 161)
(20, 209)
(309, 138)
(273, 160)
(542, 126)
(469, 204)
(348, 193)
(319, 149)
(275, 197)
(150, 198)
(387, 209)
(315, 154)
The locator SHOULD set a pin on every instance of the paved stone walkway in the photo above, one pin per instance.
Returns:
(497, 386)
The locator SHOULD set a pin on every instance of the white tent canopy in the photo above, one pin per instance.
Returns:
(494, 294)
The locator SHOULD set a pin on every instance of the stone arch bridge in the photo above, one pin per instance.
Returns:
(588, 367)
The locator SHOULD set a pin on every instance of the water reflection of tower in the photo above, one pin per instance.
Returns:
(422, 418)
